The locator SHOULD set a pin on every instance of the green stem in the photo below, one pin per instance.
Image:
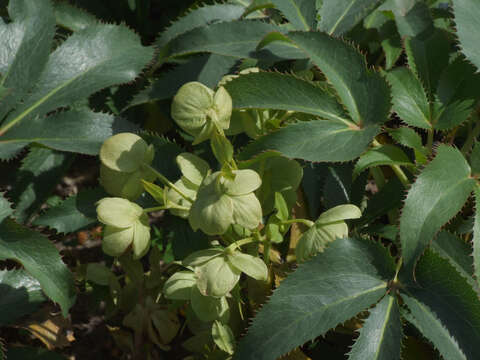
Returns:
(309, 223)
(378, 177)
(169, 184)
(397, 270)
(472, 135)
(239, 243)
(158, 208)
(430, 133)
(396, 169)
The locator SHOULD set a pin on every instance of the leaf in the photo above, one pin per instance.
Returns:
(80, 131)
(409, 98)
(37, 177)
(340, 16)
(381, 335)
(347, 277)
(408, 137)
(451, 298)
(318, 140)
(237, 39)
(382, 155)
(300, 13)
(88, 61)
(422, 317)
(388, 198)
(364, 92)
(438, 193)
(24, 47)
(456, 251)
(264, 90)
(184, 240)
(5, 208)
(206, 68)
(73, 18)
(21, 295)
(74, 213)
(223, 337)
(476, 235)
(198, 17)
(40, 259)
(428, 56)
(412, 17)
(467, 13)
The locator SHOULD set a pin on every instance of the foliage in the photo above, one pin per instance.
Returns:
(323, 150)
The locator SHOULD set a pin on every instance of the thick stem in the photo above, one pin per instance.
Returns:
(169, 183)
(396, 169)
(430, 133)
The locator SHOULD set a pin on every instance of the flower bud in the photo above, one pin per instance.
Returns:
(216, 277)
(199, 110)
(125, 225)
(125, 152)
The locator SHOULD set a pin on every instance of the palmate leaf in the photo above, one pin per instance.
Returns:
(364, 93)
(381, 335)
(453, 301)
(5, 207)
(89, 60)
(40, 259)
(438, 193)
(476, 235)
(339, 16)
(467, 14)
(300, 13)
(73, 18)
(349, 276)
(21, 295)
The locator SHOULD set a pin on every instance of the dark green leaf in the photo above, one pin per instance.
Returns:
(452, 299)
(21, 295)
(347, 277)
(40, 259)
(24, 47)
(284, 92)
(381, 335)
(382, 155)
(364, 92)
(339, 16)
(476, 235)
(467, 13)
(207, 69)
(300, 13)
(409, 98)
(89, 60)
(37, 177)
(184, 240)
(388, 198)
(74, 213)
(238, 39)
(425, 320)
(413, 17)
(201, 16)
(475, 159)
(73, 18)
(428, 56)
(438, 193)
(81, 131)
(5, 207)
(456, 251)
(318, 140)
(408, 137)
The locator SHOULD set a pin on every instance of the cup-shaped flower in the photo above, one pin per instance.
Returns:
(121, 171)
(223, 201)
(199, 110)
(125, 152)
(329, 226)
(194, 170)
(126, 225)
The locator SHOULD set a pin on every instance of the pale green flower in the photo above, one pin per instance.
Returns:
(126, 225)
(200, 111)
(222, 202)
